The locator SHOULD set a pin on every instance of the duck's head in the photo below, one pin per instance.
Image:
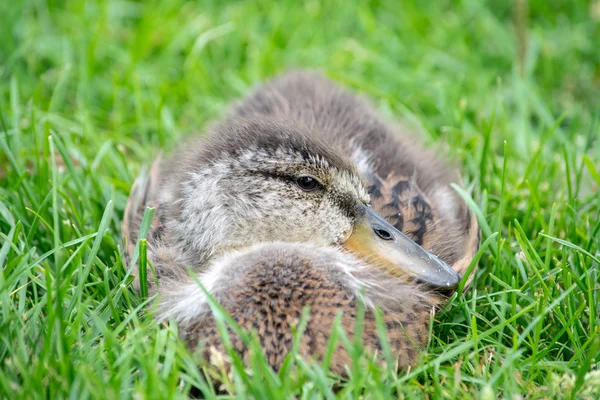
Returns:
(257, 180)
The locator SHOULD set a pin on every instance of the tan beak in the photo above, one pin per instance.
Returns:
(377, 241)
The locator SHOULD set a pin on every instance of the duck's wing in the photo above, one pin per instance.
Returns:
(142, 196)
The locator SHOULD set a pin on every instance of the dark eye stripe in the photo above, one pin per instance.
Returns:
(289, 177)
(347, 204)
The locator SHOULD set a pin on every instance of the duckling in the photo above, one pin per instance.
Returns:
(303, 197)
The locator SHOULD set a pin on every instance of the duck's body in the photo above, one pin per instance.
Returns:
(268, 286)
(239, 208)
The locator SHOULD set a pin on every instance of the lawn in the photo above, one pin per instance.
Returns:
(91, 91)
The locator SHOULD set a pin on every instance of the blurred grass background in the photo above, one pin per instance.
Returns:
(509, 89)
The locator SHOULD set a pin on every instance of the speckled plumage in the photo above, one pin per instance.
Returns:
(272, 297)
(227, 207)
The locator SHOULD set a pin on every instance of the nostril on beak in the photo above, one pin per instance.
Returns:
(383, 234)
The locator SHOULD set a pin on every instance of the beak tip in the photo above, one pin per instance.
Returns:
(454, 282)
(453, 285)
(448, 278)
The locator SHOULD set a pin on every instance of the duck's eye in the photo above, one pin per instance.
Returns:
(308, 184)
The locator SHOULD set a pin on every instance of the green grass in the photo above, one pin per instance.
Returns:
(91, 91)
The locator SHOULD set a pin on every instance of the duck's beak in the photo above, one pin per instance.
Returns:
(382, 245)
